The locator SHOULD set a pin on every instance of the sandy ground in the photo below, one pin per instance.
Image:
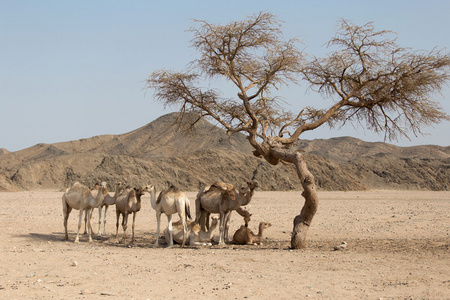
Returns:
(397, 248)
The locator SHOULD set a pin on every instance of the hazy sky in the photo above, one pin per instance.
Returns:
(77, 69)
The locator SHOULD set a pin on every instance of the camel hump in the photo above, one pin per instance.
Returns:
(226, 188)
(173, 189)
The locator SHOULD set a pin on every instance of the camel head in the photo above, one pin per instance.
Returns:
(264, 225)
(104, 188)
(142, 190)
(252, 184)
(214, 221)
(243, 189)
(119, 188)
(247, 219)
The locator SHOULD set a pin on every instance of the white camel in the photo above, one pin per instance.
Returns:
(107, 201)
(169, 202)
(81, 198)
(129, 201)
(223, 198)
(196, 237)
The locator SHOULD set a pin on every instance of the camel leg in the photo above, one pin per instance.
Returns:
(80, 218)
(132, 227)
(227, 226)
(222, 228)
(85, 222)
(89, 212)
(158, 223)
(183, 220)
(202, 220)
(206, 216)
(99, 233)
(117, 223)
(169, 221)
(198, 207)
(124, 226)
(66, 212)
(104, 220)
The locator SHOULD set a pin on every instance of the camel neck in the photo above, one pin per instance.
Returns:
(153, 198)
(248, 198)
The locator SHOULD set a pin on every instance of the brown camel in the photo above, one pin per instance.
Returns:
(245, 236)
(129, 202)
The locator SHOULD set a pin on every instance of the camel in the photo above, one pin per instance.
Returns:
(196, 237)
(218, 198)
(81, 198)
(244, 235)
(169, 202)
(107, 201)
(129, 201)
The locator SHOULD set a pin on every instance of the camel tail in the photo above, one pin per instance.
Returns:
(64, 203)
(187, 208)
(198, 206)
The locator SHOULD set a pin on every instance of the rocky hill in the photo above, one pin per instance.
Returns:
(162, 152)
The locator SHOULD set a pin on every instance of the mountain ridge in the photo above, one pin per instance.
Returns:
(163, 153)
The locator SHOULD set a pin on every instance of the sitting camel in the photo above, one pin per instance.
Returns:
(218, 198)
(81, 198)
(244, 235)
(169, 202)
(129, 201)
(107, 201)
(196, 237)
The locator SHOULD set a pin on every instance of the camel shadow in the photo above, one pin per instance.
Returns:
(51, 237)
(59, 237)
(145, 241)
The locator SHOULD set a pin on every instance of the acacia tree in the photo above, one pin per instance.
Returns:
(369, 78)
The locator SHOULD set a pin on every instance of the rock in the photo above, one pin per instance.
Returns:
(342, 246)
(107, 294)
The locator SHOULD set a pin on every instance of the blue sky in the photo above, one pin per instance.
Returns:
(77, 69)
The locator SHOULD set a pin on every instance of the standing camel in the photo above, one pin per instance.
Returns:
(107, 201)
(129, 201)
(81, 198)
(222, 198)
(169, 202)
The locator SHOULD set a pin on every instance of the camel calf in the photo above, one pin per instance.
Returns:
(196, 236)
(245, 236)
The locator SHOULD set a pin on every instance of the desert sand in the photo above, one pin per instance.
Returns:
(397, 248)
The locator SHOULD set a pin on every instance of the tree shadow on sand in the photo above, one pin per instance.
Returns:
(147, 240)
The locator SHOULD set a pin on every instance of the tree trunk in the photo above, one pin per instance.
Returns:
(304, 219)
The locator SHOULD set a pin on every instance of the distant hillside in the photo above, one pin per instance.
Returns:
(161, 153)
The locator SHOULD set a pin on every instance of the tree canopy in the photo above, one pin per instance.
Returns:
(372, 80)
